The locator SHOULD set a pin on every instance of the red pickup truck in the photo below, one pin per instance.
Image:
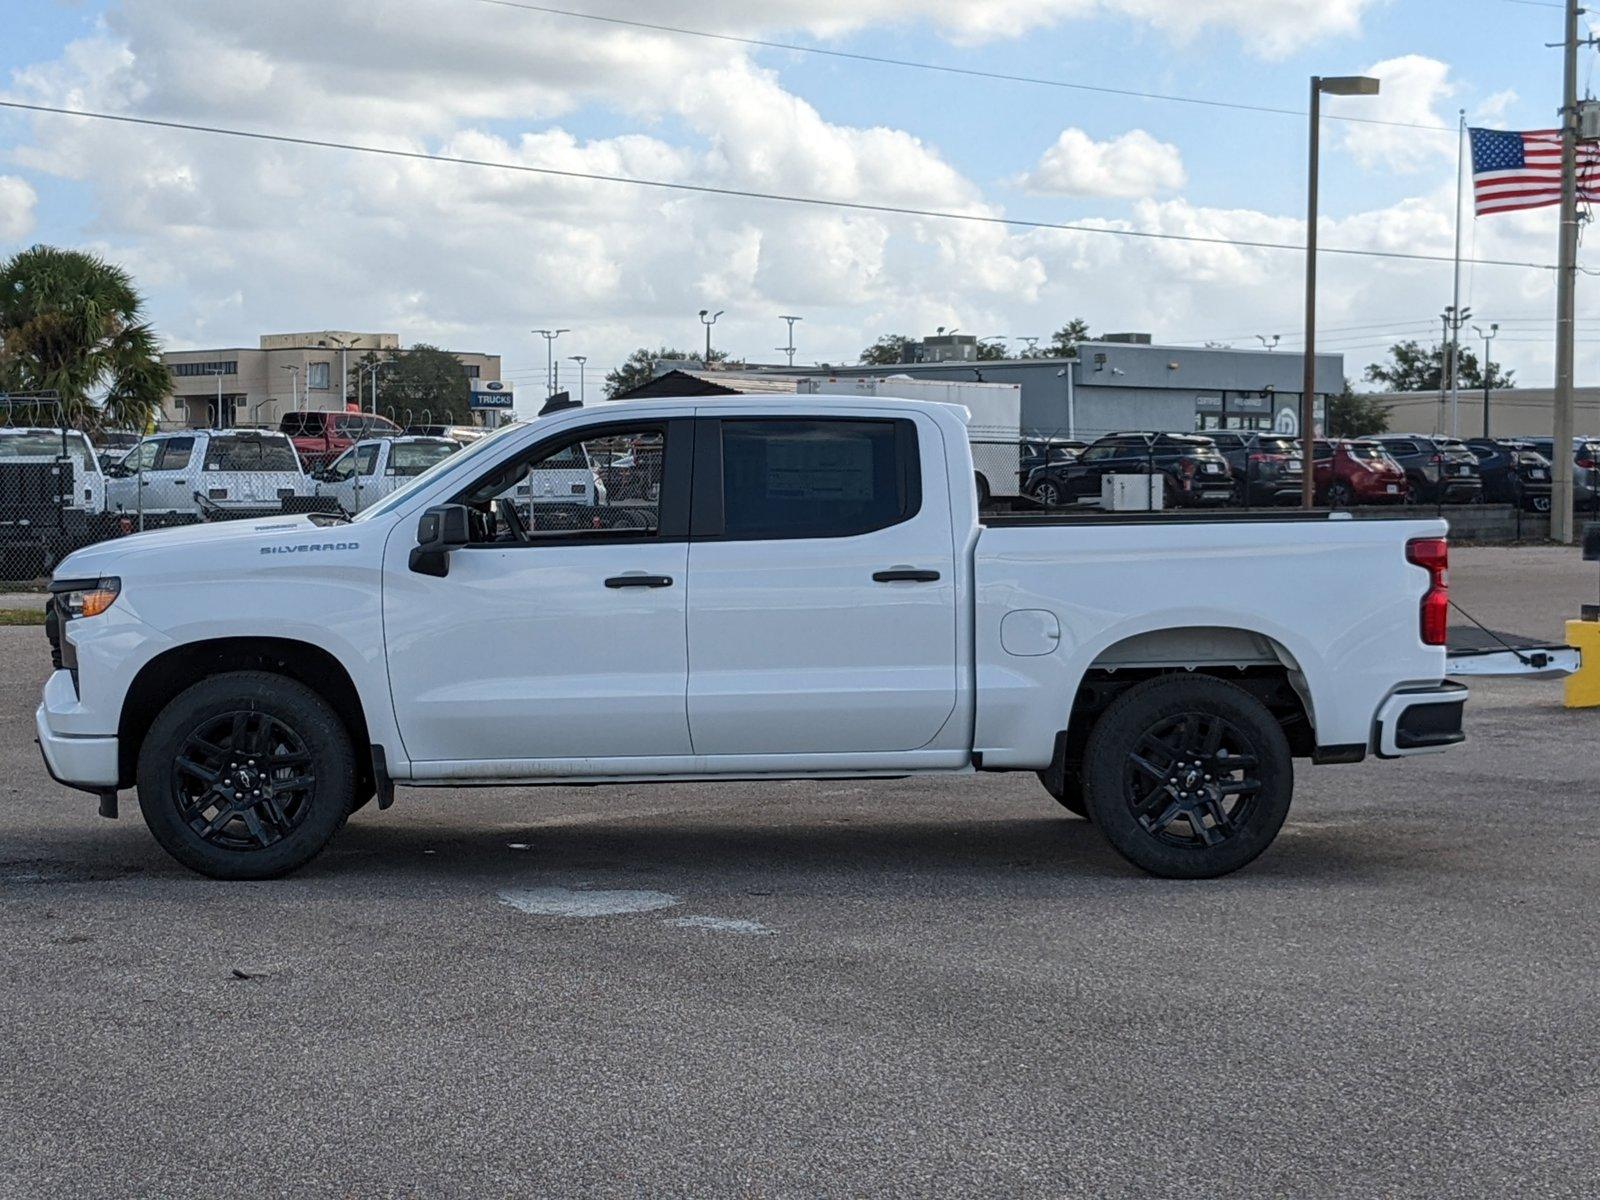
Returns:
(320, 437)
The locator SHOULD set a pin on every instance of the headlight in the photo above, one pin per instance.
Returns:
(85, 597)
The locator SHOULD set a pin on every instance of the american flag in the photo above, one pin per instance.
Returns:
(1512, 170)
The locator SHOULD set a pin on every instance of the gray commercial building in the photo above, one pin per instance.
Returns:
(1120, 383)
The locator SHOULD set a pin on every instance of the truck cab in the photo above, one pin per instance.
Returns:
(371, 469)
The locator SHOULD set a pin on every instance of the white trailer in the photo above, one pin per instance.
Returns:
(994, 428)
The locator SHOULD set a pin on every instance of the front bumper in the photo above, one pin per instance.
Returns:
(1420, 720)
(85, 762)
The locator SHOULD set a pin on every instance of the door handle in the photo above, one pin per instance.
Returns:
(649, 581)
(904, 575)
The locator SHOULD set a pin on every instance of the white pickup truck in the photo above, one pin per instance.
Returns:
(810, 592)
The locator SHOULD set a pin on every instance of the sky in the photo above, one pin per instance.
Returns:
(231, 238)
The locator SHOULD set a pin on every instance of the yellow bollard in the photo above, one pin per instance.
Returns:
(1583, 687)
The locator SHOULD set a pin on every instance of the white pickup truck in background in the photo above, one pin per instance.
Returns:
(804, 590)
(371, 469)
(208, 473)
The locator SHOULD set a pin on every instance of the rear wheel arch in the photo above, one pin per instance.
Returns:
(167, 675)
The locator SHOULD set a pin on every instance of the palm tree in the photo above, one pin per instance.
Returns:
(72, 323)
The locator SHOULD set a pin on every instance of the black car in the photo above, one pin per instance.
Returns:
(1513, 473)
(1195, 470)
(1585, 469)
(1266, 467)
(1042, 452)
(1436, 472)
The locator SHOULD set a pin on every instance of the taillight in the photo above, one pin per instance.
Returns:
(1437, 460)
(1586, 463)
(1433, 554)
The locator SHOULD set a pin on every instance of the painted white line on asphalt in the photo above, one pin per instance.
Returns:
(721, 925)
(570, 902)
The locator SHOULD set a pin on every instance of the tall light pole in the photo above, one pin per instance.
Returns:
(372, 369)
(1032, 344)
(789, 349)
(708, 322)
(1494, 329)
(1272, 344)
(550, 336)
(1454, 319)
(344, 371)
(294, 384)
(1334, 85)
(580, 359)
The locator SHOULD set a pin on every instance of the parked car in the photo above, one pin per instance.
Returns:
(320, 437)
(1513, 473)
(1196, 472)
(52, 498)
(1041, 452)
(814, 594)
(1435, 471)
(209, 473)
(1267, 467)
(371, 469)
(1350, 471)
(1585, 469)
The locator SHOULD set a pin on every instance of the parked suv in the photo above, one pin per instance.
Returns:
(320, 437)
(1356, 471)
(1513, 473)
(1436, 471)
(1266, 466)
(1044, 452)
(1585, 468)
(1196, 472)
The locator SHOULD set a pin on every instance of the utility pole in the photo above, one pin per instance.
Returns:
(708, 322)
(789, 349)
(1494, 329)
(1561, 523)
(1457, 314)
(550, 336)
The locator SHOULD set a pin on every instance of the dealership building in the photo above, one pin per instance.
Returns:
(285, 372)
(1115, 383)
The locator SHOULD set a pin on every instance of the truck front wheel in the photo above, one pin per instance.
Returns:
(246, 775)
(1188, 777)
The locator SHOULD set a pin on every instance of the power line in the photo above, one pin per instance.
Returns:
(971, 72)
(746, 194)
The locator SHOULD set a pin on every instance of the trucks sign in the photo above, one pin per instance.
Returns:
(490, 394)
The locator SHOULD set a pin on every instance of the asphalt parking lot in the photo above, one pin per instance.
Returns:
(912, 988)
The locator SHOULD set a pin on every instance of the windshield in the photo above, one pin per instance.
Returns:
(44, 443)
(1368, 451)
(449, 463)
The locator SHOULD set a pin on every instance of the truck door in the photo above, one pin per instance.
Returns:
(564, 640)
(822, 586)
(168, 483)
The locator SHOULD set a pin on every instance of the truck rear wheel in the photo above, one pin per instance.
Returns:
(246, 775)
(1188, 777)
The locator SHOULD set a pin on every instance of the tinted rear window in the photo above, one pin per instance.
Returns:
(813, 479)
(250, 454)
(301, 424)
(413, 458)
(1281, 445)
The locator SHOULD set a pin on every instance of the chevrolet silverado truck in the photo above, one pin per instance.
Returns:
(810, 592)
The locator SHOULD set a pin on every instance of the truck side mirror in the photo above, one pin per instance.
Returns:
(441, 529)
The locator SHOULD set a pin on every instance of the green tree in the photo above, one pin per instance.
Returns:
(73, 323)
(1064, 341)
(991, 348)
(423, 380)
(887, 350)
(641, 366)
(1411, 368)
(1350, 414)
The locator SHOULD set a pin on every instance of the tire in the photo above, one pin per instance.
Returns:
(983, 490)
(1047, 494)
(1340, 496)
(1174, 831)
(1065, 785)
(217, 728)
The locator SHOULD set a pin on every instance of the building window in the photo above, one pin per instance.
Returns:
(473, 370)
(317, 376)
(189, 369)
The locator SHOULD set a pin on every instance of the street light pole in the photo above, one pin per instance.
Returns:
(1487, 338)
(708, 322)
(550, 336)
(216, 416)
(344, 373)
(1337, 85)
(294, 385)
(580, 359)
(789, 349)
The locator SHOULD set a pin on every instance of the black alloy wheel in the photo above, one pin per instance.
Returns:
(243, 781)
(1340, 496)
(1047, 493)
(1188, 776)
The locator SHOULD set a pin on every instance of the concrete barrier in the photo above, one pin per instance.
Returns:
(1490, 523)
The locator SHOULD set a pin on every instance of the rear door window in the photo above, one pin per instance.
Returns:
(174, 454)
(817, 478)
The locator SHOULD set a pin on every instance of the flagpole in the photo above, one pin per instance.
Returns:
(1455, 302)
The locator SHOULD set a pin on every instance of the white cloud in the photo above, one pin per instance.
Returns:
(1131, 165)
(17, 200)
(1412, 87)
